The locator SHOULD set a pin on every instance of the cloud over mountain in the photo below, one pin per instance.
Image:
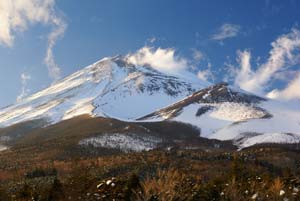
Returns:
(284, 54)
(292, 91)
(163, 60)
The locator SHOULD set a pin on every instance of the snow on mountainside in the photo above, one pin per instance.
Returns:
(225, 113)
(125, 142)
(111, 87)
(115, 88)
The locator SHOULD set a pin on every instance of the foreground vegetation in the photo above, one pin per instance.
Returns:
(270, 173)
(47, 163)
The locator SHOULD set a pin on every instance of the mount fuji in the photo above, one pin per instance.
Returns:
(111, 87)
(117, 89)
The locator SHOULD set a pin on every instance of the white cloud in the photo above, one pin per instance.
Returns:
(53, 68)
(163, 60)
(24, 91)
(285, 53)
(17, 15)
(226, 31)
(206, 74)
(151, 40)
(245, 73)
(292, 91)
(197, 55)
(285, 75)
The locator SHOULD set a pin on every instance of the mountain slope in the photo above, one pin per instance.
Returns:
(111, 87)
(114, 88)
(225, 113)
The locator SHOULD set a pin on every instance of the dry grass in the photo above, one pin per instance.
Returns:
(180, 175)
(176, 174)
(163, 186)
(275, 189)
(233, 191)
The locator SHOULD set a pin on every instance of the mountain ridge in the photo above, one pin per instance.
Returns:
(99, 90)
(115, 88)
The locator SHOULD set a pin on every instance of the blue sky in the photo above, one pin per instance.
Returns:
(223, 33)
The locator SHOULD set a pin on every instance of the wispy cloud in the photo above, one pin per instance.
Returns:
(244, 74)
(24, 90)
(58, 31)
(292, 91)
(152, 39)
(164, 60)
(197, 55)
(207, 74)
(285, 53)
(226, 31)
(17, 15)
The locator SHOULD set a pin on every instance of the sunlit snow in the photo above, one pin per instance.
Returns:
(109, 88)
(2, 148)
(124, 142)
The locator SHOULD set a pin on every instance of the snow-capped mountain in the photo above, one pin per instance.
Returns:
(115, 88)
(226, 113)
(111, 87)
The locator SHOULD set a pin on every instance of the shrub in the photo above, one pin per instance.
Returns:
(39, 172)
(162, 187)
(24, 192)
(275, 189)
(56, 190)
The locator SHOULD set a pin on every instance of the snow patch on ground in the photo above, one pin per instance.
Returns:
(125, 142)
(2, 147)
(133, 105)
(228, 121)
(236, 112)
(204, 122)
(5, 138)
(285, 119)
(223, 115)
(279, 138)
(80, 107)
(7, 116)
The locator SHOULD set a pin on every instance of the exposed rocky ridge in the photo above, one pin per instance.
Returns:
(218, 93)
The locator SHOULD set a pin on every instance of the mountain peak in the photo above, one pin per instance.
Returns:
(111, 87)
